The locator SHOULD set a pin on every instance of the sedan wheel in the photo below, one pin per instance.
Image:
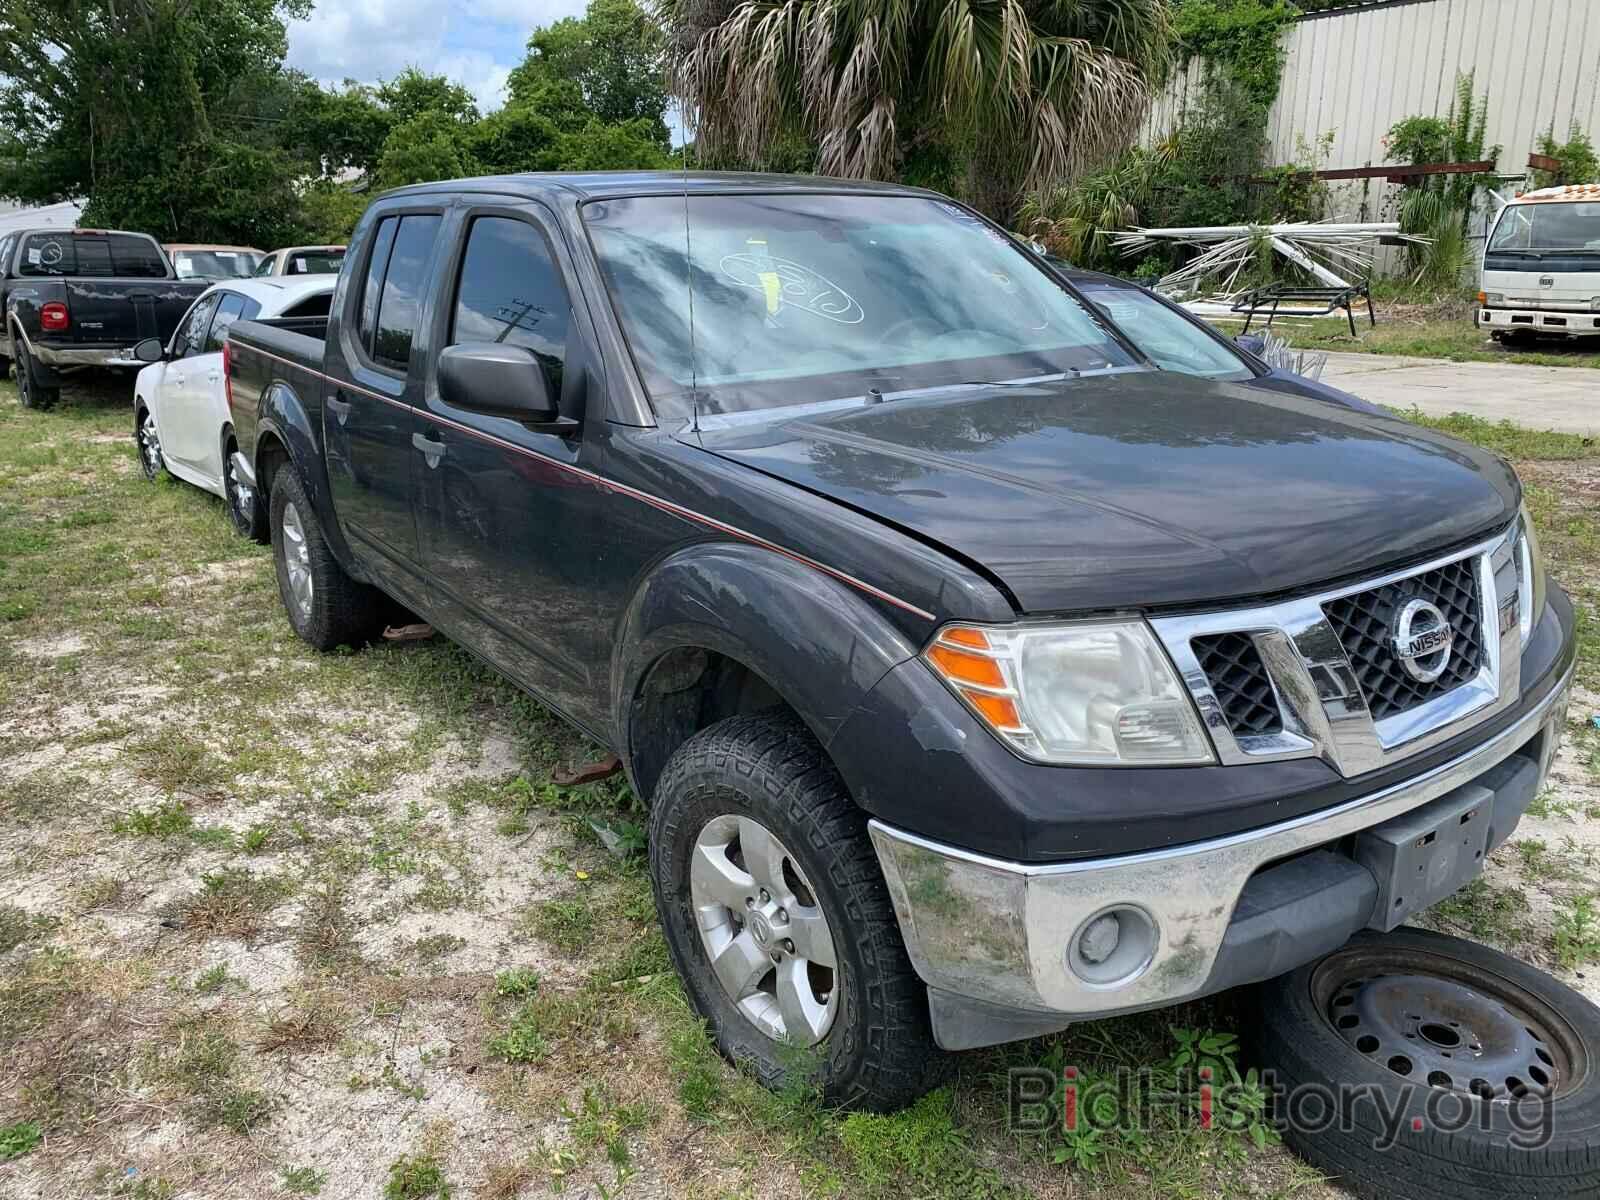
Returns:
(149, 442)
(244, 502)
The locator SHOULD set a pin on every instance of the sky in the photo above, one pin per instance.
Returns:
(475, 42)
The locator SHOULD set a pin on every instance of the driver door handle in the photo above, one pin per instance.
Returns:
(339, 408)
(432, 449)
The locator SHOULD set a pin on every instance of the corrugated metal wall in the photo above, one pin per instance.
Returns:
(1358, 72)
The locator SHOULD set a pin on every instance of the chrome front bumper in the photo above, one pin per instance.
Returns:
(998, 932)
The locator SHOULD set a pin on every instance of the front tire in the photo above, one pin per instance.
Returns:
(326, 607)
(147, 439)
(778, 920)
(1440, 1030)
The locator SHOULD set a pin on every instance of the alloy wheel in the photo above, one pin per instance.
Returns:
(769, 944)
(297, 560)
(149, 446)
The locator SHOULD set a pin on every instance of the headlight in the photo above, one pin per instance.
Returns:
(1092, 693)
(1493, 298)
(1594, 304)
(1530, 576)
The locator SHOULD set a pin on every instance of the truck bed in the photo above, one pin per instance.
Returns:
(282, 351)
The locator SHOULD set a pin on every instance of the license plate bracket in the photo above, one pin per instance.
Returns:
(1424, 855)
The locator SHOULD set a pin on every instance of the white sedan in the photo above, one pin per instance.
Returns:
(180, 403)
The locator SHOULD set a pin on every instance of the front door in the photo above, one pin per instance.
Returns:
(504, 514)
(183, 385)
(368, 418)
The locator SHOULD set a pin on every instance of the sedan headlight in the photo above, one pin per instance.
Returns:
(1097, 693)
(1530, 575)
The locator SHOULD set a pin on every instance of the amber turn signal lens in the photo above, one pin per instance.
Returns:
(999, 711)
(973, 639)
(960, 667)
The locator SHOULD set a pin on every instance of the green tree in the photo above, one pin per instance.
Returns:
(1576, 156)
(414, 92)
(339, 129)
(613, 53)
(152, 109)
(1023, 94)
(431, 145)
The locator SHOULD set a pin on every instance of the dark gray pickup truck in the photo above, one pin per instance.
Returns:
(981, 676)
(75, 299)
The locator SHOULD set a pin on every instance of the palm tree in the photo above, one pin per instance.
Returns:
(1030, 93)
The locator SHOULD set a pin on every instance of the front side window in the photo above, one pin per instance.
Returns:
(511, 292)
(401, 298)
(1167, 338)
(798, 299)
(265, 266)
(192, 333)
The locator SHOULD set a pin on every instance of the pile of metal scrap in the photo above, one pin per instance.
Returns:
(1209, 283)
(1276, 352)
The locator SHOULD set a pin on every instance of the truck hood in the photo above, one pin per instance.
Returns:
(1142, 489)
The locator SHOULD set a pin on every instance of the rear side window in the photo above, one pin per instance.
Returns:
(91, 255)
(377, 264)
(401, 297)
(311, 306)
(510, 291)
(234, 307)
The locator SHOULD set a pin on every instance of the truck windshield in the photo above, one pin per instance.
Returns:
(1545, 226)
(799, 299)
(215, 264)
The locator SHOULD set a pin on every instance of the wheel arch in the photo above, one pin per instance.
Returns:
(722, 629)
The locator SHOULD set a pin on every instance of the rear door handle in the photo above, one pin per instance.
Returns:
(432, 450)
(339, 408)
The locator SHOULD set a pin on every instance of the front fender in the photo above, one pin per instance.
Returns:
(284, 418)
(818, 644)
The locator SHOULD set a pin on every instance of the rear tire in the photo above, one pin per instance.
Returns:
(326, 607)
(245, 507)
(1438, 1028)
(30, 391)
(757, 792)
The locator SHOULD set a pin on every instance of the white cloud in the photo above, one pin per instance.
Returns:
(475, 42)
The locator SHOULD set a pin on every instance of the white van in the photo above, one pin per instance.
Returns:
(1541, 266)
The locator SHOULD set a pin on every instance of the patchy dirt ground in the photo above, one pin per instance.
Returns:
(274, 923)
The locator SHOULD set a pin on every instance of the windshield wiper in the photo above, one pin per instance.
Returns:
(875, 395)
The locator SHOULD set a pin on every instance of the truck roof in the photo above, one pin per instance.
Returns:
(594, 185)
(1569, 191)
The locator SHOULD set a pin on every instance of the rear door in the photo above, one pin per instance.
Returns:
(505, 514)
(369, 399)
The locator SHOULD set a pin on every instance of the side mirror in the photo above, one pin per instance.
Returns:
(500, 381)
(150, 350)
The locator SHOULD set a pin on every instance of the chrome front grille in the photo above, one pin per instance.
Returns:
(1363, 621)
(1317, 676)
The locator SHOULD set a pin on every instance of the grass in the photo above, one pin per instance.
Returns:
(1453, 338)
(1577, 932)
(419, 1178)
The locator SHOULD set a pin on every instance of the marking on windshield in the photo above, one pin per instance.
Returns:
(795, 286)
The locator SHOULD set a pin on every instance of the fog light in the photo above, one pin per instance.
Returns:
(1097, 942)
(1113, 946)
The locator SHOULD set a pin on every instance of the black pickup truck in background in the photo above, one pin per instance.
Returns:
(980, 675)
(81, 298)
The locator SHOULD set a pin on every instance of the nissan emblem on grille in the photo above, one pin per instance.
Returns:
(1422, 640)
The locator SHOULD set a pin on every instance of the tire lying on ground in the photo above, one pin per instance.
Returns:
(1415, 1066)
